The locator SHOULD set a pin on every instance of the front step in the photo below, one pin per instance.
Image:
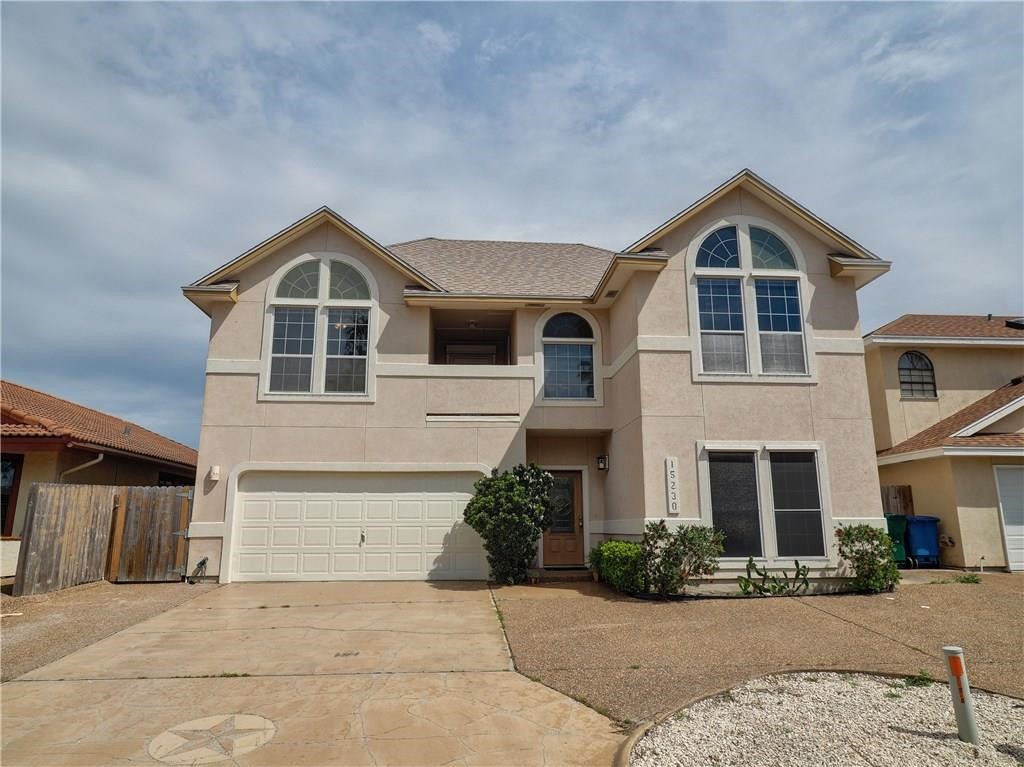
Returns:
(545, 575)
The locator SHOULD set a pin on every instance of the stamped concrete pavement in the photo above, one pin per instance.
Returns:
(314, 673)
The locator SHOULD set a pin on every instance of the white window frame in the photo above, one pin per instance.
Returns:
(747, 275)
(595, 342)
(766, 500)
(322, 304)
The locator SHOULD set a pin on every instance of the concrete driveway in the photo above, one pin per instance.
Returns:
(288, 674)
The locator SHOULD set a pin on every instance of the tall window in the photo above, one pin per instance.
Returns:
(722, 302)
(767, 501)
(568, 357)
(917, 376)
(320, 334)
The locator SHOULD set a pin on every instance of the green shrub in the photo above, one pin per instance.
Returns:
(673, 559)
(620, 564)
(772, 585)
(511, 511)
(869, 552)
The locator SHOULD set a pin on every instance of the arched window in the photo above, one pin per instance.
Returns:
(720, 250)
(917, 376)
(727, 303)
(568, 357)
(769, 252)
(320, 329)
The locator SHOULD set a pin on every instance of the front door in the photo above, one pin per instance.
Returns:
(563, 542)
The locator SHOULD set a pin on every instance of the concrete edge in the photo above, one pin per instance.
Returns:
(622, 756)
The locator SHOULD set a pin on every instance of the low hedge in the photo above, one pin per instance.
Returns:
(621, 565)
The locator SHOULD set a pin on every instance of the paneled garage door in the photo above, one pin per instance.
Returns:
(327, 527)
(1010, 485)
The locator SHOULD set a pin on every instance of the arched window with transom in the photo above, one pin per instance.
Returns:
(568, 357)
(917, 376)
(320, 322)
(744, 270)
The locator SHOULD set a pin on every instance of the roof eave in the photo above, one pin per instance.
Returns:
(862, 271)
(303, 226)
(205, 296)
(951, 451)
(871, 341)
(747, 176)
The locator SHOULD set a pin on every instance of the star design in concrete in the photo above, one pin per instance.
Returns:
(212, 739)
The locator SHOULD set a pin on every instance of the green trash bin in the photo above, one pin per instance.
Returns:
(897, 525)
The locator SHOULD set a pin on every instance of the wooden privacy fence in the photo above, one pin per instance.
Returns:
(897, 499)
(82, 533)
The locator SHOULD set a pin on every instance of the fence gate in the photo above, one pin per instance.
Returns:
(147, 542)
(897, 499)
(83, 533)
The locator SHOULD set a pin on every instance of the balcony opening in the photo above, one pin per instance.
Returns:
(470, 337)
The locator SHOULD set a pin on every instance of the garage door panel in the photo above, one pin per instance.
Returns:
(316, 536)
(318, 510)
(1010, 485)
(402, 526)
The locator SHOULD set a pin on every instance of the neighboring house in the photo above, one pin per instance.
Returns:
(711, 372)
(48, 439)
(947, 400)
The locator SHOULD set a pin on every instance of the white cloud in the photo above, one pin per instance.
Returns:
(144, 144)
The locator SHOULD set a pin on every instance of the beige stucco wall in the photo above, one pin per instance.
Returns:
(651, 406)
(35, 467)
(963, 375)
(934, 492)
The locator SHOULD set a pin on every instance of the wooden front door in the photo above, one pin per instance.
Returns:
(563, 542)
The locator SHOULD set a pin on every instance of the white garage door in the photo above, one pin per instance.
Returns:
(329, 527)
(1010, 483)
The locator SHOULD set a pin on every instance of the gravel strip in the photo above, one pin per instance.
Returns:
(813, 719)
(52, 625)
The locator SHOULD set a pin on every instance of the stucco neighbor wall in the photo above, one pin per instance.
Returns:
(963, 375)
(35, 467)
(961, 491)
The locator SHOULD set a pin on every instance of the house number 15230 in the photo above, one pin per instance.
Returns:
(672, 483)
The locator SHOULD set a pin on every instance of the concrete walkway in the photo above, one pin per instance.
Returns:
(286, 674)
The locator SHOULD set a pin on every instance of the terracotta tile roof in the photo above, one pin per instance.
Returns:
(941, 433)
(493, 267)
(949, 326)
(43, 415)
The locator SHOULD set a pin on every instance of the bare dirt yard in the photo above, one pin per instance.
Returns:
(635, 660)
(52, 625)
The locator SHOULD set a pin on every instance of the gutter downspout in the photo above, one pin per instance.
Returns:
(85, 465)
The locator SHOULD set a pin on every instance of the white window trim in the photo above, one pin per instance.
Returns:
(747, 276)
(540, 340)
(766, 501)
(317, 394)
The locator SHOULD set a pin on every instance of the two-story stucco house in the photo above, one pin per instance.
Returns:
(711, 372)
(947, 395)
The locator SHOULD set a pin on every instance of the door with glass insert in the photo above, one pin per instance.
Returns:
(563, 542)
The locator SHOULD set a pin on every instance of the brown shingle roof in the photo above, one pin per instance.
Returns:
(43, 415)
(941, 433)
(949, 326)
(493, 267)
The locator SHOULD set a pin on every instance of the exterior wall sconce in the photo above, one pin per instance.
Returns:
(602, 463)
(214, 474)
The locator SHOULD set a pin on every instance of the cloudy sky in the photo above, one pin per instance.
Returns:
(145, 144)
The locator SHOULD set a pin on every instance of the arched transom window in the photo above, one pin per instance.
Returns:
(733, 284)
(320, 329)
(568, 357)
(917, 376)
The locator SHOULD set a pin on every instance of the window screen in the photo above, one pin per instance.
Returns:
(798, 527)
(780, 327)
(734, 506)
(291, 361)
(722, 342)
(347, 342)
(568, 371)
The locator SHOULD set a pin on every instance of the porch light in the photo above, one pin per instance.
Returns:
(602, 463)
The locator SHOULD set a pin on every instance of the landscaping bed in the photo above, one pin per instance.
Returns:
(810, 719)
